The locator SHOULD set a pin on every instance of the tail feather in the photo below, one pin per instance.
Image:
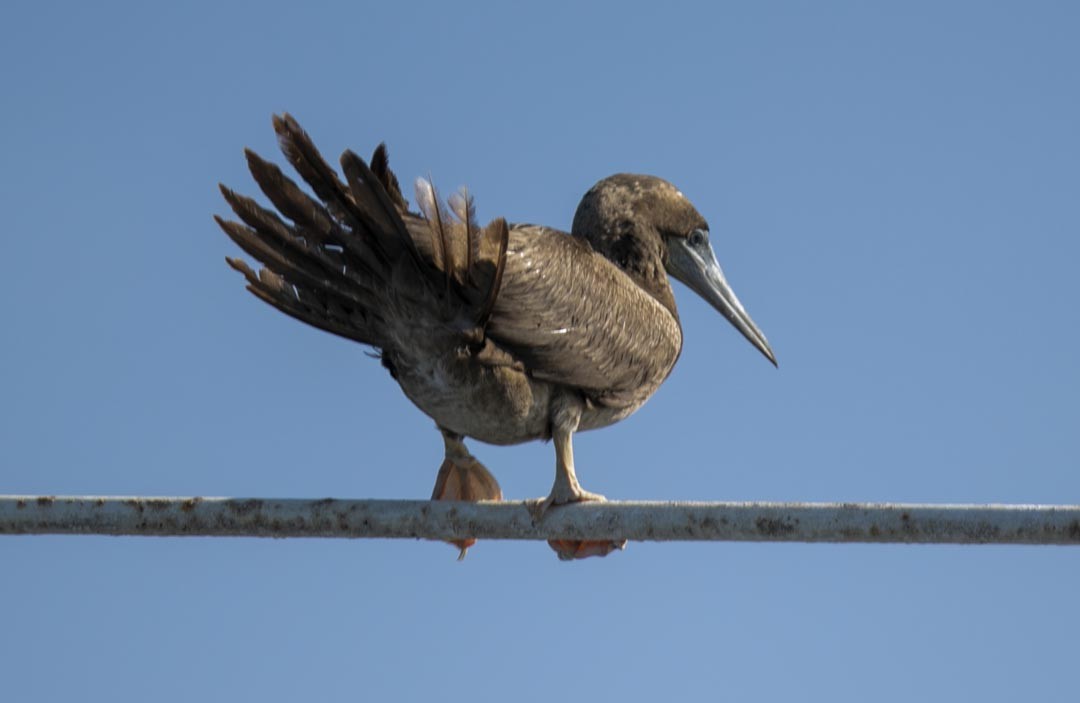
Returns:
(292, 202)
(283, 285)
(439, 225)
(464, 209)
(497, 235)
(329, 317)
(372, 206)
(308, 162)
(275, 243)
(461, 239)
(380, 166)
(364, 204)
(312, 223)
(353, 254)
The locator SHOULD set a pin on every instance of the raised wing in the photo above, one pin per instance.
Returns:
(356, 262)
(353, 261)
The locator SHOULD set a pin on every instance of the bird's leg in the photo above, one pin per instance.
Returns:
(462, 477)
(565, 417)
(566, 488)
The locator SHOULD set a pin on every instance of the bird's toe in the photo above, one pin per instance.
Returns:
(561, 495)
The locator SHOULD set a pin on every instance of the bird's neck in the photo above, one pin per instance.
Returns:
(640, 258)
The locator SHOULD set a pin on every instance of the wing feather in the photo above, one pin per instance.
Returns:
(574, 318)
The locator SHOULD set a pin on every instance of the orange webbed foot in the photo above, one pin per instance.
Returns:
(462, 477)
(570, 549)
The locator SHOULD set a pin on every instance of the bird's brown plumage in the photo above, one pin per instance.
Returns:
(502, 333)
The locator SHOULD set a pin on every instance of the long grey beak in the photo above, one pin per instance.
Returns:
(696, 266)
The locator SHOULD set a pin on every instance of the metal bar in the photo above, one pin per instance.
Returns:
(445, 520)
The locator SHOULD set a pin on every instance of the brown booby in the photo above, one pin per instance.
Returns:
(504, 333)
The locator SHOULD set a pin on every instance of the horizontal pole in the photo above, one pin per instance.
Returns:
(447, 520)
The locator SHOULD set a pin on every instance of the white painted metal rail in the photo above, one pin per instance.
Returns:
(645, 521)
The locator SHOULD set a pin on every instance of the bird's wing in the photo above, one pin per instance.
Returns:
(574, 318)
(355, 262)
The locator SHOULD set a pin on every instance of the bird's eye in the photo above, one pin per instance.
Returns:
(697, 238)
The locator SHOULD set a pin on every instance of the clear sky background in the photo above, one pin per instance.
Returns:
(893, 191)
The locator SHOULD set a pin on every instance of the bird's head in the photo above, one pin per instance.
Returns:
(648, 228)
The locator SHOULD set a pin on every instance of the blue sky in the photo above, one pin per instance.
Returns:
(892, 190)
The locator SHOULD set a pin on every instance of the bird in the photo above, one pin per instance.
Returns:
(504, 333)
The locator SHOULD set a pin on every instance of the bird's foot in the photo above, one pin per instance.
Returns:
(570, 549)
(462, 477)
(565, 493)
(561, 494)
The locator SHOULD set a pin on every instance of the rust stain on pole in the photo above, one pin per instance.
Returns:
(444, 520)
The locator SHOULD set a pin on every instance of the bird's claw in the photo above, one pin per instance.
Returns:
(538, 507)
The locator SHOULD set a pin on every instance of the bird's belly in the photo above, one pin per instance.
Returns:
(497, 405)
(593, 418)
